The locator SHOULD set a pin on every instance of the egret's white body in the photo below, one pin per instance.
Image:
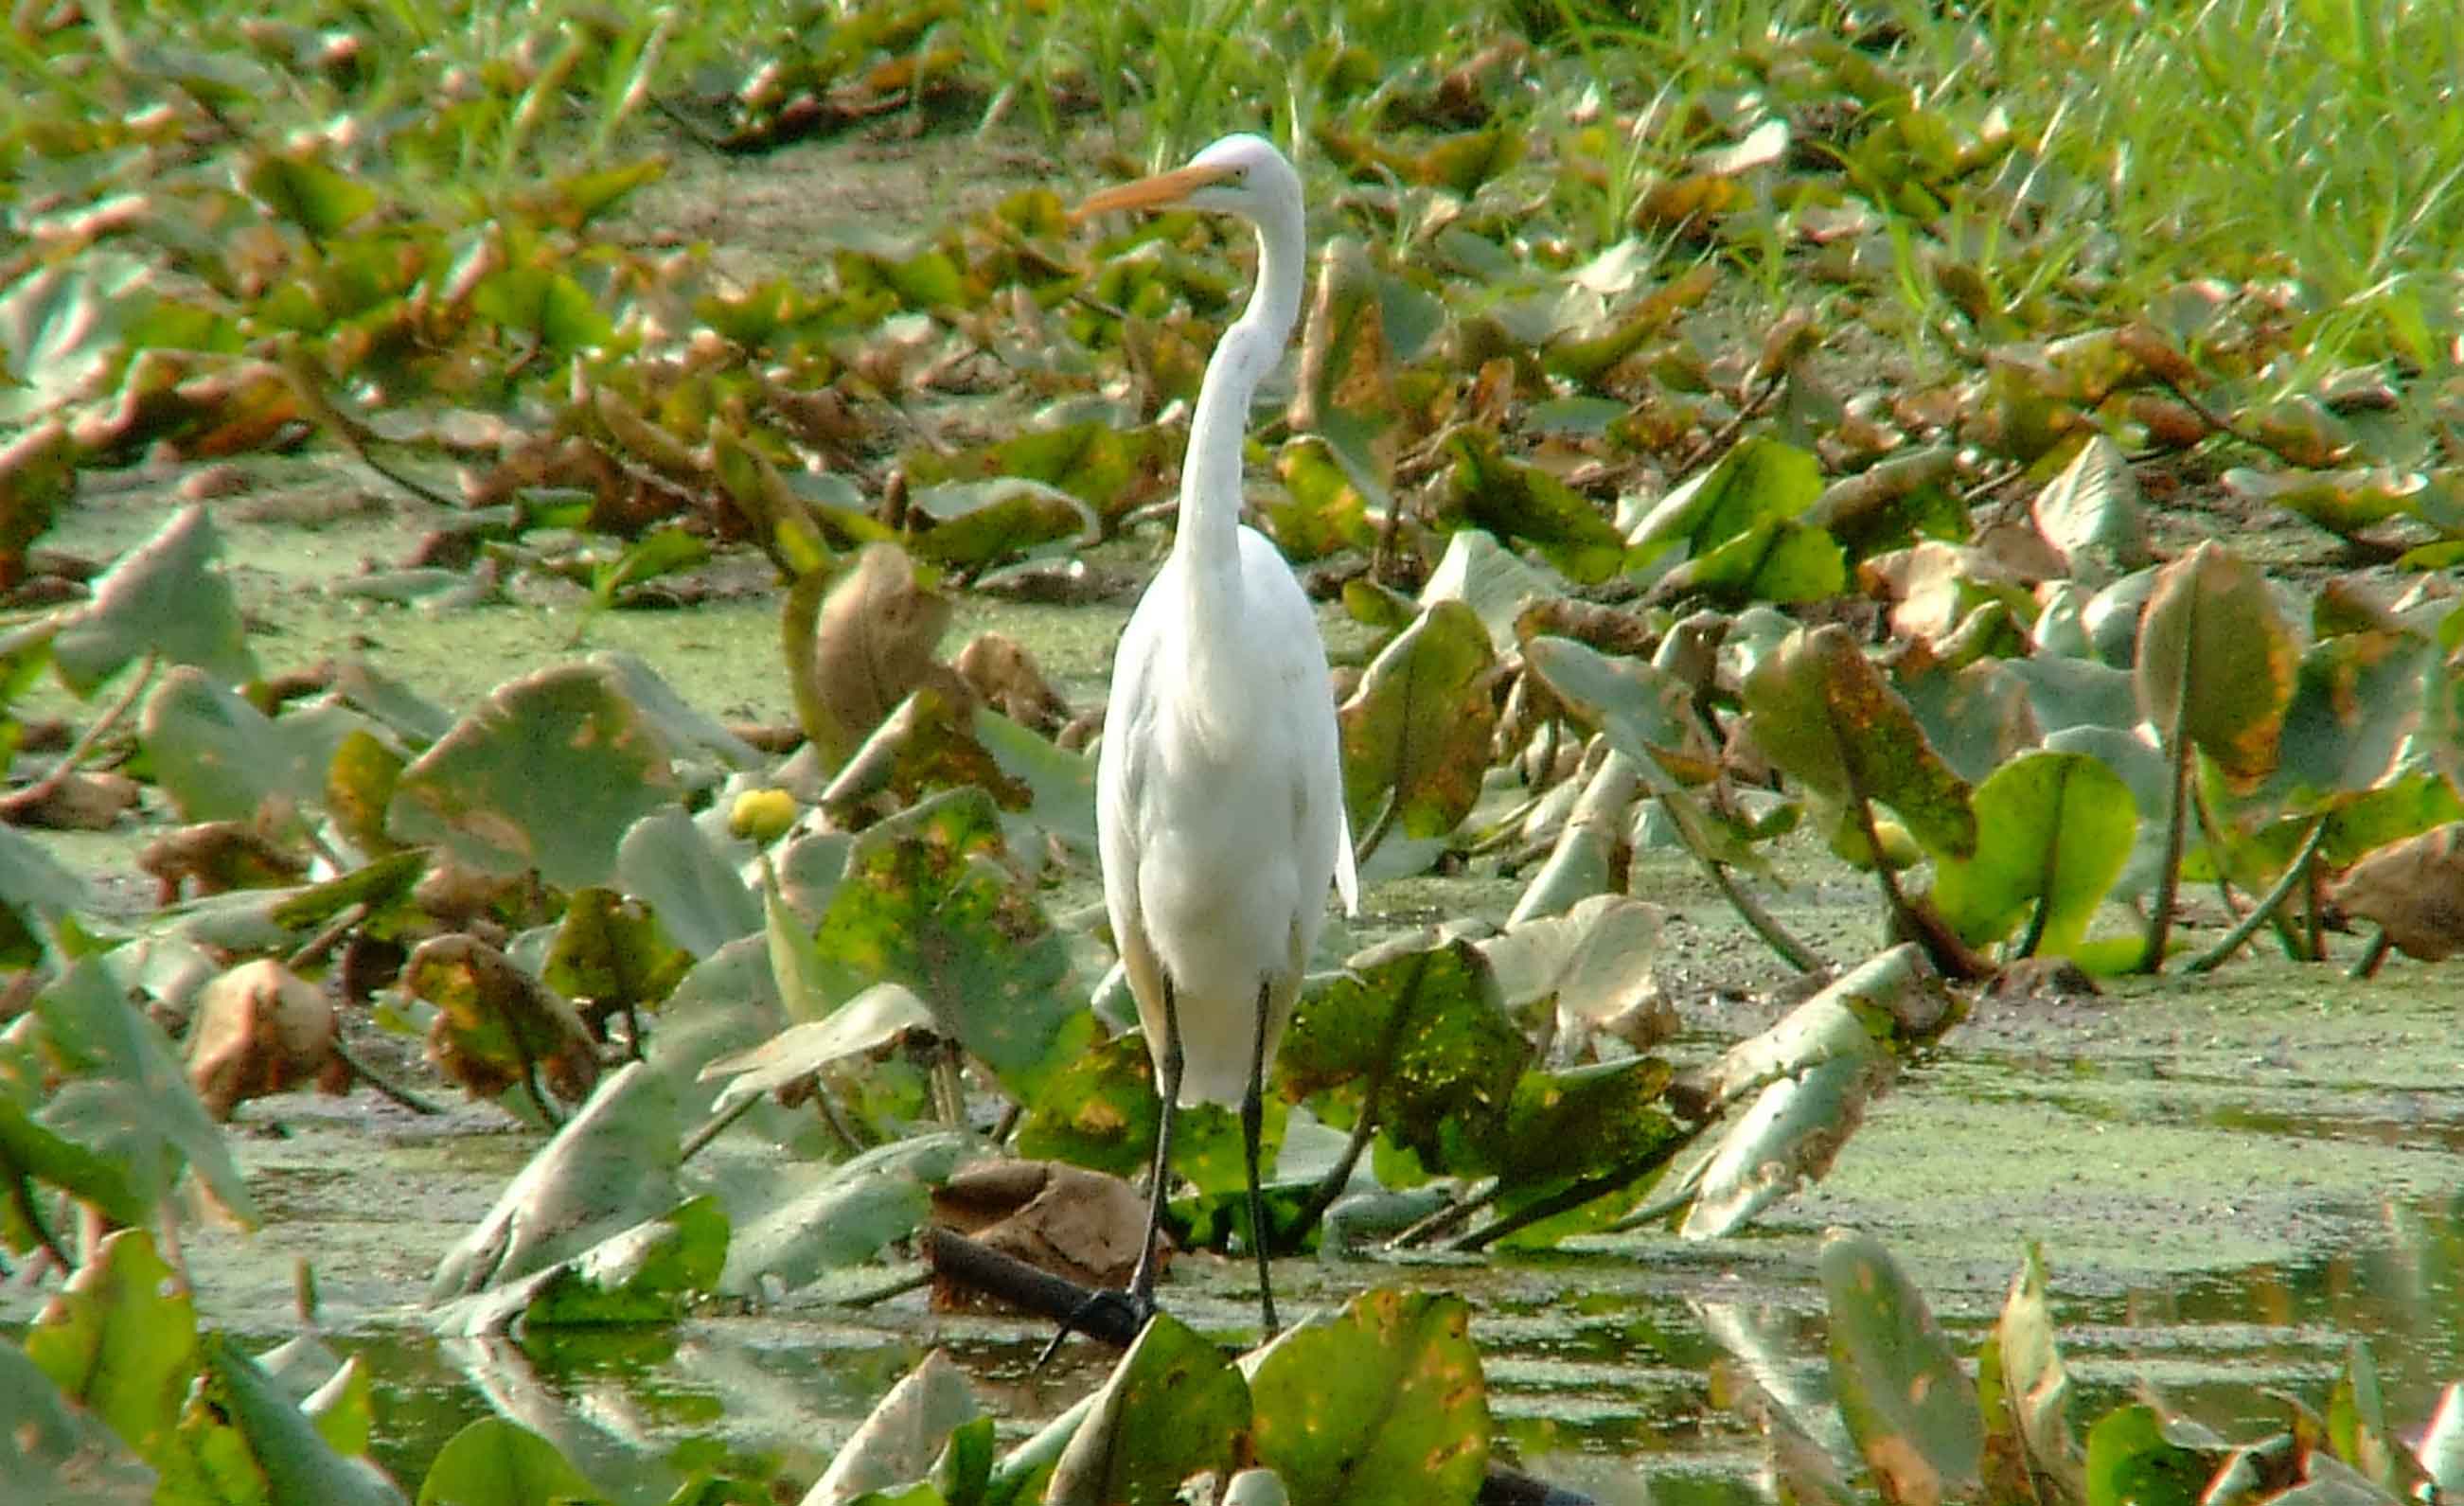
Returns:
(1218, 790)
(1220, 805)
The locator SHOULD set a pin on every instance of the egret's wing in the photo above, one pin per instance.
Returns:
(1280, 619)
(1124, 760)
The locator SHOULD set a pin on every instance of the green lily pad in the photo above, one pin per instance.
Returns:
(2354, 703)
(666, 861)
(2130, 1463)
(1777, 559)
(548, 773)
(1518, 501)
(220, 759)
(1908, 1405)
(2036, 1382)
(1429, 1018)
(872, 1019)
(610, 952)
(1174, 1406)
(643, 1274)
(1760, 481)
(1417, 731)
(283, 1446)
(1821, 710)
(497, 1462)
(843, 1215)
(60, 1450)
(927, 902)
(32, 1150)
(2091, 513)
(2053, 831)
(120, 1340)
(903, 1435)
(164, 597)
(612, 1166)
(1382, 1403)
(1598, 1130)
(127, 1099)
(980, 523)
(1495, 581)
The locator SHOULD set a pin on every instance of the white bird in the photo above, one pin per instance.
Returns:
(1217, 784)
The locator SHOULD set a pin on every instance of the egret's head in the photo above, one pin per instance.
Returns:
(1242, 175)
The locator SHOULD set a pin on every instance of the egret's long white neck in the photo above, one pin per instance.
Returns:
(1210, 476)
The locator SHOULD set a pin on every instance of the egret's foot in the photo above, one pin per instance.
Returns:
(1128, 1310)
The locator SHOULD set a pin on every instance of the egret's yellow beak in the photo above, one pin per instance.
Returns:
(1164, 188)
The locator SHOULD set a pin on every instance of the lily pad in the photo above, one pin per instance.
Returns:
(1910, 1406)
(1381, 1402)
(2054, 831)
(165, 597)
(1417, 731)
(1174, 1406)
(497, 1462)
(549, 772)
(2214, 652)
(613, 1164)
(1822, 712)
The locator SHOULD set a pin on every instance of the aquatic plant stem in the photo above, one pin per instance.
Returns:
(2294, 873)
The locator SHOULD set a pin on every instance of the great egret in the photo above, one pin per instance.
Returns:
(1218, 803)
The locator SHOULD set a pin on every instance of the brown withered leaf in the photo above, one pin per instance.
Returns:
(1607, 629)
(1005, 676)
(496, 1023)
(216, 856)
(38, 474)
(2414, 890)
(75, 801)
(1076, 1223)
(870, 647)
(260, 1030)
(928, 744)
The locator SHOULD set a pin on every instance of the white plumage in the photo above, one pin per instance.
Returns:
(1219, 786)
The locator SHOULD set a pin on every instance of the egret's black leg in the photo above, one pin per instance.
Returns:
(1253, 1116)
(1141, 1296)
(1168, 1088)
